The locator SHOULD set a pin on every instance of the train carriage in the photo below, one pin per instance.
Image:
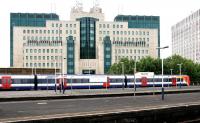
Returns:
(46, 82)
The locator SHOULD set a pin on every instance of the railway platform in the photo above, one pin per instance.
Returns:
(90, 93)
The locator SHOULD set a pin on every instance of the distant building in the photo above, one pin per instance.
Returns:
(186, 37)
(86, 43)
(135, 21)
(30, 20)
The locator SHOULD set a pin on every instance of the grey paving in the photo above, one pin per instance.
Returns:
(26, 110)
(77, 92)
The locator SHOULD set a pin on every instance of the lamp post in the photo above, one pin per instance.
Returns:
(171, 71)
(63, 76)
(162, 72)
(123, 74)
(180, 72)
(135, 76)
(55, 76)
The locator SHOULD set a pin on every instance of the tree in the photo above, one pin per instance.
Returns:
(149, 64)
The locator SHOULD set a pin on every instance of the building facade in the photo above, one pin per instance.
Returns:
(186, 37)
(86, 44)
(30, 20)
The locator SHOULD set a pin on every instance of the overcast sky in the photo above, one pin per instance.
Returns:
(170, 12)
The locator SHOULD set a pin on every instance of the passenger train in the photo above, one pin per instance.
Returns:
(142, 79)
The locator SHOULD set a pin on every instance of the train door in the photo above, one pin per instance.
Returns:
(144, 81)
(173, 81)
(6, 82)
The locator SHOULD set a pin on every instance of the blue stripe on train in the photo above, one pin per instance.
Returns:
(87, 87)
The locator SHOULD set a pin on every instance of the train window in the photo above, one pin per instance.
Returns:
(22, 81)
(0, 81)
(116, 80)
(157, 79)
(42, 80)
(165, 79)
(27, 81)
(150, 80)
(130, 80)
(78, 80)
(51, 80)
(178, 79)
(75, 80)
(85, 80)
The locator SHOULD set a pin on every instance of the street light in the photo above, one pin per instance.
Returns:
(180, 72)
(55, 76)
(162, 72)
(63, 76)
(171, 71)
(135, 76)
(123, 74)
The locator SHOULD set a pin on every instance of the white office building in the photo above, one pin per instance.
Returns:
(86, 43)
(186, 37)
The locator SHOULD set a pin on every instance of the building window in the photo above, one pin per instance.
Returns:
(43, 57)
(99, 25)
(107, 25)
(122, 50)
(24, 31)
(132, 32)
(35, 50)
(126, 50)
(125, 33)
